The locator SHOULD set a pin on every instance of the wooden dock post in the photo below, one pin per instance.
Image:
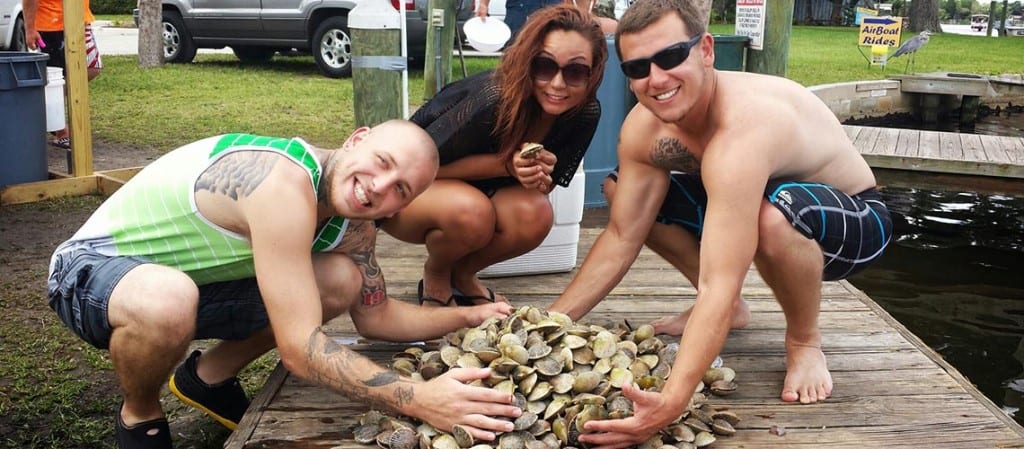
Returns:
(929, 108)
(943, 92)
(377, 62)
(778, 22)
(969, 110)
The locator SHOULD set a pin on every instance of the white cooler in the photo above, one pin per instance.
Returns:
(557, 253)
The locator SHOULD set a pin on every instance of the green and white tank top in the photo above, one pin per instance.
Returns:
(154, 216)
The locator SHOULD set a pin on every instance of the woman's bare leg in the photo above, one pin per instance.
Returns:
(453, 219)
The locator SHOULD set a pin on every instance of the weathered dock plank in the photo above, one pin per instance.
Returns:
(887, 141)
(909, 143)
(891, 389)
(949, 147)
(973, 149)
(930, 147)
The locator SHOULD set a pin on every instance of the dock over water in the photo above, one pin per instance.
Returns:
(891, 390)
(942, 160)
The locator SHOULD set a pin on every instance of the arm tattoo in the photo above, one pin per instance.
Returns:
(237, 175)
(671, 154)
(336, 366)
(381, 379)
(359, 244)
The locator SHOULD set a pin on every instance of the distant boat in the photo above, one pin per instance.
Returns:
(1015, 26)
(979, 22)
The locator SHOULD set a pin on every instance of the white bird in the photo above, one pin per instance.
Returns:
(911, 46)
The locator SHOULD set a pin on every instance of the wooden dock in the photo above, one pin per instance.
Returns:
(891, 390)
(972, 162)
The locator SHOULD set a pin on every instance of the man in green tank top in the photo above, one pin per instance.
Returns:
(257, 241)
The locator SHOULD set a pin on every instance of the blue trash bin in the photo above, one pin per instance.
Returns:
(22, 117)
(616, 101)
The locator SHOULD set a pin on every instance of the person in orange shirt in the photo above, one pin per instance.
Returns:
(44, 30)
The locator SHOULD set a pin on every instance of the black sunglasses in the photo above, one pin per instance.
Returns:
(666, 58)
(544, 69)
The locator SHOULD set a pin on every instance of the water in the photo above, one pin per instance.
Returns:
(954, 276)
(1004, 121)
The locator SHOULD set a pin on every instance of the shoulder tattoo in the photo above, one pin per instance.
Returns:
(671, 154)
(237, 175)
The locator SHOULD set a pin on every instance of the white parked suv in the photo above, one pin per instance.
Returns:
(12, 26)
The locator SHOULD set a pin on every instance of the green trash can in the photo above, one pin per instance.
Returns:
(22, 117)
(729, 51)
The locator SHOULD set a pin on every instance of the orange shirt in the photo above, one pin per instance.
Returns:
(50, 15)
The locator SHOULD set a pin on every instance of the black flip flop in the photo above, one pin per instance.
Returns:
(427, 298)
(470, 300)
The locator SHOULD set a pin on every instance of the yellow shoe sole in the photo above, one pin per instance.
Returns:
(222, 420)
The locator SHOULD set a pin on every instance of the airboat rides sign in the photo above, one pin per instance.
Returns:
(880, 31)
(881, 34)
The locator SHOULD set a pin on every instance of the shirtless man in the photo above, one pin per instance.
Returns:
(718, 170)
(257, 241)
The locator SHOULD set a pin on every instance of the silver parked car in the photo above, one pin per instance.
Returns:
(12, 26)
(257, 29)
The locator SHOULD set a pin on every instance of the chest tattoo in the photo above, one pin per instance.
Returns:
(671, 154)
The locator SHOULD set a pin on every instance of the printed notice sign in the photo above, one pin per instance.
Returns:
(862, 13)
(880, 31)
(750, 21)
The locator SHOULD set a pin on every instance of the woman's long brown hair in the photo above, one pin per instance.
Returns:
(518, 110)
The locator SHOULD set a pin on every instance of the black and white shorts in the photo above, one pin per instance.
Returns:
(852, 231)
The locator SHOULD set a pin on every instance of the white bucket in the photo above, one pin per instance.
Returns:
(55, 99)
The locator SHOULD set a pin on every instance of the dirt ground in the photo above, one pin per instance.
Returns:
(56, 391)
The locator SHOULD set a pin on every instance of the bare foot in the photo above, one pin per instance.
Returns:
(675, 325)
(807, 376)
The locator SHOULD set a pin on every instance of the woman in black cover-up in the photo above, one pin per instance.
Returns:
(488, 203)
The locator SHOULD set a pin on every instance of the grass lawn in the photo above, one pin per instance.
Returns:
(175, 104)
(56, 392)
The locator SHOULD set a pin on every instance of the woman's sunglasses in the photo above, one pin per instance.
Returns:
(544, 69)
(666, 58)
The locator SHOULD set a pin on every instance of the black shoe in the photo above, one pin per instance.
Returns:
(153, 434)
(225, 402)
